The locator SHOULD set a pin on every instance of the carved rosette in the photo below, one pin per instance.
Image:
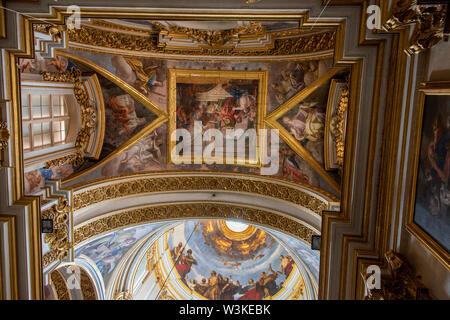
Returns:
(58, 241)
(87, 111)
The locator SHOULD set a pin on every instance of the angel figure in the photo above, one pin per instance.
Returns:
(124, 113)
(308, 123)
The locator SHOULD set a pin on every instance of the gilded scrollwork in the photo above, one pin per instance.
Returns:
(74, 159)
(4, 135)
(401, 284)
(88, 114)
(89, 197)
(338, 122)
(87, 287)
(62, 292)
(428, 21)
(212, 38)
(124, 295)
(192, 210)
(300, 44)
(59, 240)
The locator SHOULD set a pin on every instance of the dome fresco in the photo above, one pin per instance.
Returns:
(205, 259)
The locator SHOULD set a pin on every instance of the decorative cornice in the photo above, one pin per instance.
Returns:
(190, 211)
(304, 44)
(85, 198)
(212, 38)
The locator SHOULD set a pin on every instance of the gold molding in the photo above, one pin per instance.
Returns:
(88, 115)
(13, 258)
(59, 240)
(4, 138)
(87, 286)
(272, 121)
(161, 115)
(93, 195)
(442, 255)
(217, 75)
(192, 210)
(299, 45)
(428, 21)
(57, 15)
(335, 124)
(59, 284)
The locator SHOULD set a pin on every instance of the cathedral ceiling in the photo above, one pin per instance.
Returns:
(157, 76)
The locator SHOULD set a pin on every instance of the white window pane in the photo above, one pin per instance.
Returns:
(45, 126)
(37, 140)
(45, 112)
(36, 128)
(24, 100)
(45, 100)
(26, 142)
(56, 126)
(35, 100)
(56, 100)
(36, 112)
(63, 125)
(63, 135)
(56, 137)
(56, 111)
(64, 107)
(26, 130)
(25, 113)
(47, 139)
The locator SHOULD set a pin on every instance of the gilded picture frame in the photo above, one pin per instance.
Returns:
(192, 76)
(428, 204)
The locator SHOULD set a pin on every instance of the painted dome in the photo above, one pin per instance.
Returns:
(203, 259)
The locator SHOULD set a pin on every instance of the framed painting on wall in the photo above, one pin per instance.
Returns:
(429, 215)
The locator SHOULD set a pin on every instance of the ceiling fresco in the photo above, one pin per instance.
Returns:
(288, 95)
(206, 259)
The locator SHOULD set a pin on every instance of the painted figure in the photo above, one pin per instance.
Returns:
(124, 113)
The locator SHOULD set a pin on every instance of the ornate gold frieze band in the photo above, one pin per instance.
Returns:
(85, 198)
(190, 211)
(303, 44)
